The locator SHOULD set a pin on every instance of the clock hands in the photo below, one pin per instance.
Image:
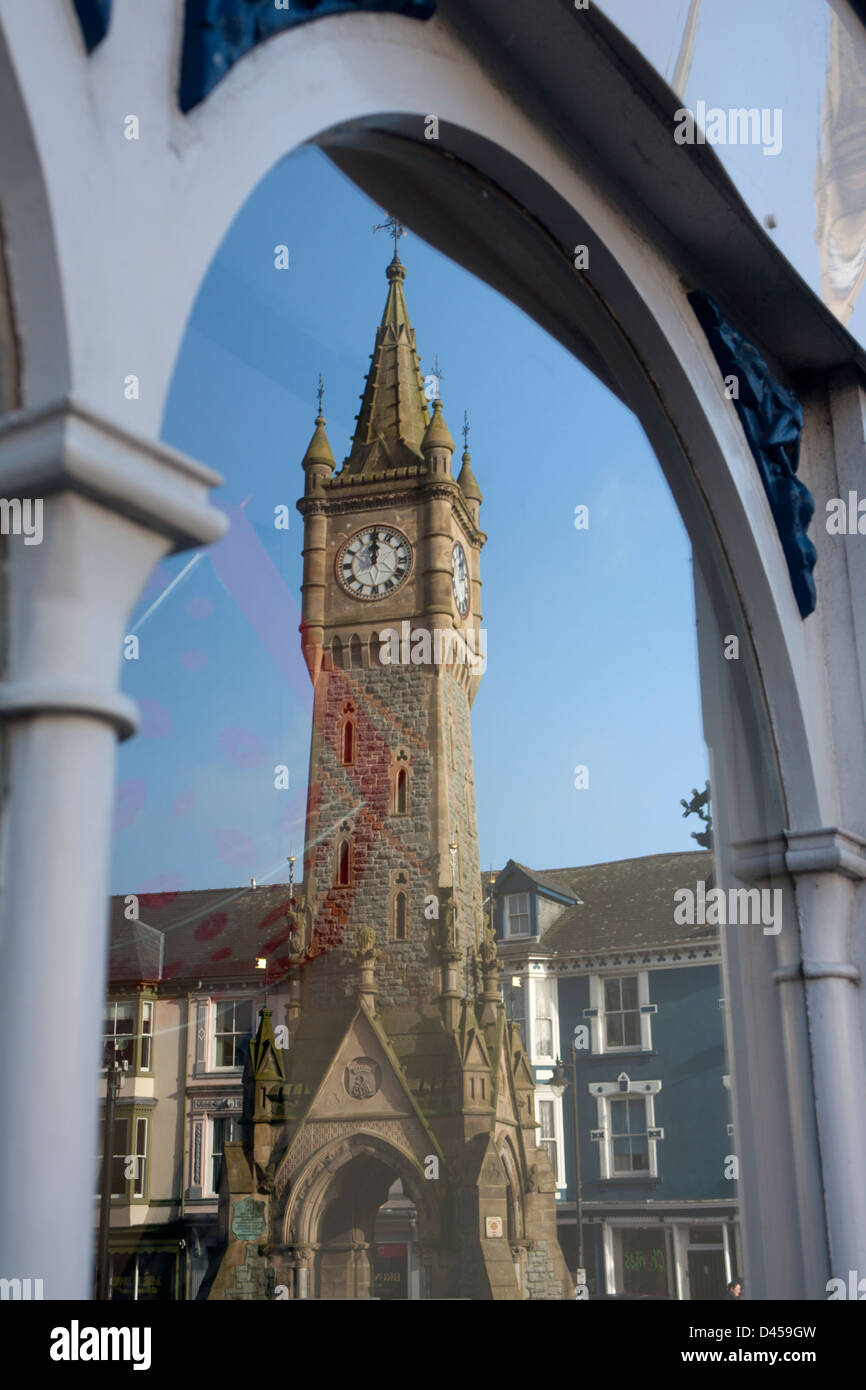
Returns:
(374, 562)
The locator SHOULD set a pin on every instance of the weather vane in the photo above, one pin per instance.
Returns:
(394, 227)
(320, 392)
(466, 431)
(437, 370)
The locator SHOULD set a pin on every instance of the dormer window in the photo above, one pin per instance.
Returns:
(515, 918)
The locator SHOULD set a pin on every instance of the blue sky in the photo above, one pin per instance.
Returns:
(591, 641)
(756, 53)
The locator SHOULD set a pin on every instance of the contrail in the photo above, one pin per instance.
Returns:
(187, 569)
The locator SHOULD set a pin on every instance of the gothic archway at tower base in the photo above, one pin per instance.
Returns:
(300, 1199)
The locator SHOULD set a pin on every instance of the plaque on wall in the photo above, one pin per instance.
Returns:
(493, 1226)
(248, 1219)
(362, 1078)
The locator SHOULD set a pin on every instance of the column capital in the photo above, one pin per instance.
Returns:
(64, 446)
(826, 849)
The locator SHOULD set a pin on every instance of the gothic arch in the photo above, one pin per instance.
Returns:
(396, 916)
(348, 734)
(515, 1204)
(401, 782)
(298, 1219)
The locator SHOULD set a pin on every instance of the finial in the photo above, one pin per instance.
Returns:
(320, 394)
(466, 431)
(437, 372)
(395, 228)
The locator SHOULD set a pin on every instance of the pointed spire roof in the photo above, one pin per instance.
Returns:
(319, 449)
(467, 481)
(265, 1056)
(393, 417)
(437, 434)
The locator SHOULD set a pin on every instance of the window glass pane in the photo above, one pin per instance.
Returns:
(118, 1158)
(224, 1017)
(119, 1033)
(628, 984)
(517, 914)
(225, 1131)
(155, 1276)
(637, 1116)
(244, 1017)
(122, 1266)
(615, 1031)
(515, 1003)
(544, 1036)
(550, 1145)
(611, 994)
(140, 1157)
(644, 1260)
(618, 1117)
(621, 1156)
(631, 1030)
(545, 1116)
(146, 1034)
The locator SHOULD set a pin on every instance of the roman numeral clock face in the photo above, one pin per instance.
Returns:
(460, 579)
(374, 562)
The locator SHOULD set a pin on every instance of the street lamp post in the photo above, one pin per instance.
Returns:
(558, 1084)
(113, 1082)
(578, 1197)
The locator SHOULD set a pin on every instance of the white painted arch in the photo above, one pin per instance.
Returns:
(106, 243)
(127, 230)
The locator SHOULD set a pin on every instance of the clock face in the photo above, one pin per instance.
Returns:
(460, 579)
(374, 562)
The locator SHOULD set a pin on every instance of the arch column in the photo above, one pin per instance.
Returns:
(112, 506)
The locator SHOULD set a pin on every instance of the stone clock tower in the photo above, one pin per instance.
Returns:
(392, 549)
(395, 1091)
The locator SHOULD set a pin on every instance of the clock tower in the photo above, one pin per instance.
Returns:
(392, 635)
(389, 1125)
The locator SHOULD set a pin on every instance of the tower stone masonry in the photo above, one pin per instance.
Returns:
(404, 1100)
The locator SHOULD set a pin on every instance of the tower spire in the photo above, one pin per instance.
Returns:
(394, 416)
(467, 481)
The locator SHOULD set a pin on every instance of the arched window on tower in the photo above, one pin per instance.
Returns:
(401, 792)
(374, 649)
(347, 742)
(337, 654)
(400, 916)
(344, 864)
(355, 652)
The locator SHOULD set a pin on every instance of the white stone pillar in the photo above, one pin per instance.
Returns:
(113, 505)
(827, 865)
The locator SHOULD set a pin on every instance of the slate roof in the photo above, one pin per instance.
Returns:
(626, 903)
(546, 880)
(217, 933)
(213, 933)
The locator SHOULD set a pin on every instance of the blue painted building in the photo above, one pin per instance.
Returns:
(597, 972)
